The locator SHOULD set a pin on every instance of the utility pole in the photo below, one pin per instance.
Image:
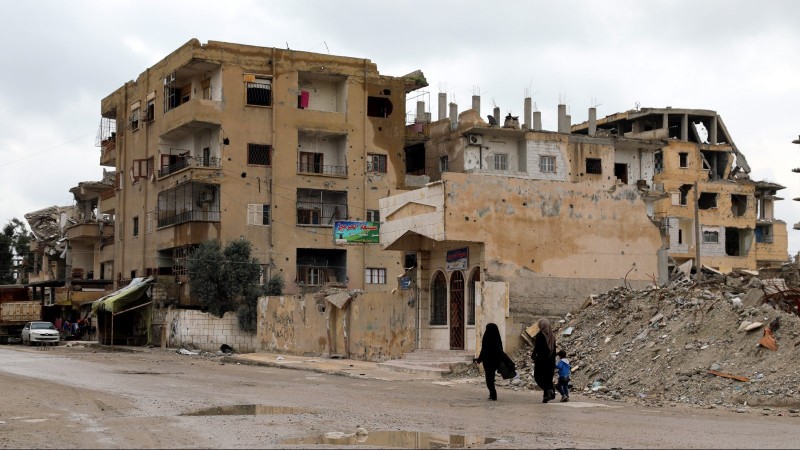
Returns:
(698, 237)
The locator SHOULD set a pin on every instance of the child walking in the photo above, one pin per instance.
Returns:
(564, 370)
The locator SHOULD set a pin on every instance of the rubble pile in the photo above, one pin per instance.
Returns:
(702, 343)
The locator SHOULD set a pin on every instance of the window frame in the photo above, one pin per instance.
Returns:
(683, 160)
(547, 164)
(253, 214)
(375, 275)
(596, 166)
(708, 234)
(251, 147)
(373, 215)
(135, 227)
(250, 82)
(377, 162)
(500, 161)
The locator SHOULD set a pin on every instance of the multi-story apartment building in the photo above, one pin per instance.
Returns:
(701, 165)
(227, 141)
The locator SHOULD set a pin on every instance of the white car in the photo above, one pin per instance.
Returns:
(40, 332)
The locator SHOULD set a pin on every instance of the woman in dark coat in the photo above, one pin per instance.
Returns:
(544, 359)
(491, 355)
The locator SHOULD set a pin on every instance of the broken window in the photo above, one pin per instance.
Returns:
(439, 300)
(141, 168)
(150, 114)
(685, 194)
(375, 276)
(134, 119)
(621, 172)
(373, 215)
(320, 207)
(707, 200)
(257, 214)
(735, 242)
(318, 266)
(658, 161)
(711, 237)
(683, 158)
(376, 163)
(379, 107)
(443, 162)
(764, 234)
(738, 205)
(547, 164)
(415, 159)
(311, 162)
(594, 166)
(500, 161)
(259, 90)
(259, 154)
(680, 236)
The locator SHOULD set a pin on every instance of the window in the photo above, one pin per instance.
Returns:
(373, 215)
(259, 154)
(501, 161)
(547, 164)
(376, 163)
(707, 200)
(711, 237)
(257, 214)
(378, 107)
(684, 159)
(594, 166)
(142, 168)
(150, 114)
(439, 300)
(259, 90)
(443, 161)
(680, 236)
(134, 119)
(136, 226)
(149, 222)
(375, 276)
(311, 162)
(685, 194)
(658, 162)
(320, 207)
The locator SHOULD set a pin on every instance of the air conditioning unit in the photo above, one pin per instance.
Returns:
(475, 139)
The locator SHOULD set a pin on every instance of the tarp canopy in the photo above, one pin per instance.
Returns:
(125, 298)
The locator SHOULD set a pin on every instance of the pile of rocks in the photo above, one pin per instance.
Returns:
(686, 342)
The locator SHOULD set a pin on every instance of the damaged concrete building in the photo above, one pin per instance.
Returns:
(701, 165)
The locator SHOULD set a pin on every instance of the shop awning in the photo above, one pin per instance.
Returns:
(125, 298)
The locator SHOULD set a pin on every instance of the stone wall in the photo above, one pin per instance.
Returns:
(206, 331)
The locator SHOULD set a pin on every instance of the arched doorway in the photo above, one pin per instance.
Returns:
(457, 311)
(473, 278)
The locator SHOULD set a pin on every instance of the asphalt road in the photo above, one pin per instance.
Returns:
(93, 398)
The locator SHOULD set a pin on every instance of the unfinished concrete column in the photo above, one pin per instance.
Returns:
(567, 123)
(453, 116)
(665, 123)
(592, 121)
(420, 112)
(537, 121)
(496, 114)
(685, 127)
(562, 118)
(712, 132)
(476, 103)
(442, 105)
(527, 119)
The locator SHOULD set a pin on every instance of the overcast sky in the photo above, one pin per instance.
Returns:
(739, 58)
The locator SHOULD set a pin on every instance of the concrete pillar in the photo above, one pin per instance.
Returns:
(562, 117)
(476, 104)
(712, 132)
(685, 127)
(442, 105)
(527, 119)
(537, 121)
(420, 112)
(567, 123)
(665, 123)
(453, 116)
(592, 121)
(496, 114)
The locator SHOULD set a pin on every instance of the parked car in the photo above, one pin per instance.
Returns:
(40, 332)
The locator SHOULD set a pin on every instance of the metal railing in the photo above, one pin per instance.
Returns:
(166, 218)
(185, 162)
(321, 169)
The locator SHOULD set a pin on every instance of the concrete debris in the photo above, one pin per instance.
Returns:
(669, 344)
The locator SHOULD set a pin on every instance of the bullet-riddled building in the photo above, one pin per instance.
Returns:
(227, 141)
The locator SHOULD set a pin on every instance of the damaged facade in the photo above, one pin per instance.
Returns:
(702, 165)
(225, 141)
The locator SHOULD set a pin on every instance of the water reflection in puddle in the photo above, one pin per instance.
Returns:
(396, 439)
(248, 410)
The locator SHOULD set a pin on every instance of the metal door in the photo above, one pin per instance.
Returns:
(457, 311)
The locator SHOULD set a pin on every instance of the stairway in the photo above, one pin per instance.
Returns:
(431, 362)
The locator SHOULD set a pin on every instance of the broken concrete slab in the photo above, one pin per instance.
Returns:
(752, 297)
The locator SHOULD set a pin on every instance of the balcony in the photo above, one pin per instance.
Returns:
(193, 115)
(89, 231)
(108, 152)
(108, 201)
(188, 202)
(184, 162)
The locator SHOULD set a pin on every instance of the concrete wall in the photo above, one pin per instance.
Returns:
(378, 326)
(206, 331)
(556, 148)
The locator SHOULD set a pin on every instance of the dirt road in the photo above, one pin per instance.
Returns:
(85, 397)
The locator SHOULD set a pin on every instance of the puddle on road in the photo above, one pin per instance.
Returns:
(396, 439)
(248, 410)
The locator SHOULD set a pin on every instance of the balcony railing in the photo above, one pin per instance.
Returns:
(320, 169)
(166, 218)
(189, 161)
